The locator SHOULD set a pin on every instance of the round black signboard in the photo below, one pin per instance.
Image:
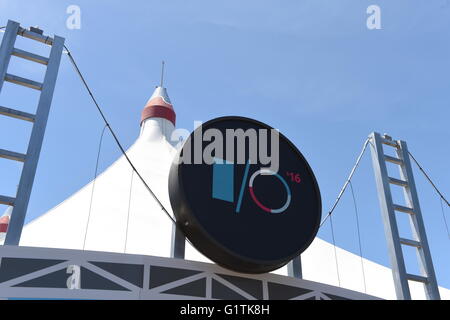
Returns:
(244, 195)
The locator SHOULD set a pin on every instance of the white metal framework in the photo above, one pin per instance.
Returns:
(75, 274)
(412, 209)
(39, 120)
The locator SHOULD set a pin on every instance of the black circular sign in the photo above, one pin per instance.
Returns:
(244, 200)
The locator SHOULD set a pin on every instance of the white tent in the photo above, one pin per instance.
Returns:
(115, 213)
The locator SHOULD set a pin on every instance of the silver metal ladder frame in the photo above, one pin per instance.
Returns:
(31, 158)
(412, 209)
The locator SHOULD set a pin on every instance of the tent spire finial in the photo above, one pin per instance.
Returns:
(159, 104)
(162, 74)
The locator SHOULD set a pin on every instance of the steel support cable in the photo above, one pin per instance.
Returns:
(129, 207)
(358, 160)
(429, 179)
(359, 236)
(441, 196)
(352, 172)
(72, 60)
(445, 219)
(335, 251)
(93, 185)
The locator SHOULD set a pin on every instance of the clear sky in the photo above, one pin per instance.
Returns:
(311, 68)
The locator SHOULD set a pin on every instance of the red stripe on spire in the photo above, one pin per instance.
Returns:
(158, 112)
(3, 227)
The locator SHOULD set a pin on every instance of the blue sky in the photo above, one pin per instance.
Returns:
(309, 68)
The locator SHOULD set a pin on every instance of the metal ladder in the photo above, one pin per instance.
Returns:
(39, 120)
(412, 209)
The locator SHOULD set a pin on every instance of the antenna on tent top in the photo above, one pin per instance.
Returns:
(162, 74)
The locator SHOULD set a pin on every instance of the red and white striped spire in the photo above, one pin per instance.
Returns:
(4, 220)
(159, 104)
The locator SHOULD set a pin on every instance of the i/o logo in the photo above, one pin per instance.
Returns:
(252, 212)
(223, 185)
